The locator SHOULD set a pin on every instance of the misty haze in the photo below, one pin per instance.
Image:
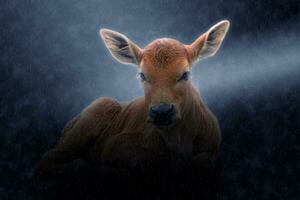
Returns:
(54, 64)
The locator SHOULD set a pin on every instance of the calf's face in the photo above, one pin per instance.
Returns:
(164, 68)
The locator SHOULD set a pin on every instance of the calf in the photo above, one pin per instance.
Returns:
(170, 120)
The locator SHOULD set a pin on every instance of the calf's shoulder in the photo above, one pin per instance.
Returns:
(91, 122)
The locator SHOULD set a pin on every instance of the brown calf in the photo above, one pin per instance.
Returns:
(170, 117)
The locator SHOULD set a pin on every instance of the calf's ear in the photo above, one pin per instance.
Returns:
(120, 47)
(208, 43)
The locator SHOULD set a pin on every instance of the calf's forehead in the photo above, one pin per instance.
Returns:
(165, 54)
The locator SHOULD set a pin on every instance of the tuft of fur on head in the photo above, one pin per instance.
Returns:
(163, 51)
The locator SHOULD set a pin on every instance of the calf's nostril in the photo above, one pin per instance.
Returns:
(152, 110)
(171, 110)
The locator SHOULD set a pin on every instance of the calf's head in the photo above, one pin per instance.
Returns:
(164, 67)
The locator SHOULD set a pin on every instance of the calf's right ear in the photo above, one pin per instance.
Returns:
(120, 47)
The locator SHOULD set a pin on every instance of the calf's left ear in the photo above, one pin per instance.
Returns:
(120, 47)
(208, 43)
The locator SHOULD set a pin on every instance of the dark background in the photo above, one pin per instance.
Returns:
(53, 64)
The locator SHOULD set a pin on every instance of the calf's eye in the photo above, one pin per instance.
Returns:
(185, 76)
(142, 76)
